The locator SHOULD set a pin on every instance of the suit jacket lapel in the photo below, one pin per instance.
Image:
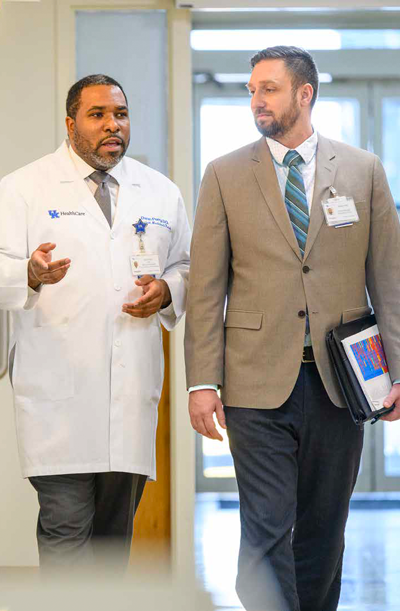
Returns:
(324, 178)
(265, 174)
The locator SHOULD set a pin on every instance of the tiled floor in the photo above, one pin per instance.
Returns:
(371, 575)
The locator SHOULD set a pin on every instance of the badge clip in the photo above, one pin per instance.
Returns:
(140, 230)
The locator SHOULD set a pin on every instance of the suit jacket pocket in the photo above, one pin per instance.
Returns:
(354, 313)
(243, 319)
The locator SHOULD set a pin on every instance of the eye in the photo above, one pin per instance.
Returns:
(96, 114)
(122, 114)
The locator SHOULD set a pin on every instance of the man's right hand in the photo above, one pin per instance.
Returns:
(202, 405)
(41, 270)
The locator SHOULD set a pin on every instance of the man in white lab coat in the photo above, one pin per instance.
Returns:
(93, 257)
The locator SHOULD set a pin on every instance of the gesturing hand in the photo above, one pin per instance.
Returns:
(42, 270)
(156, 295)
(202, 405)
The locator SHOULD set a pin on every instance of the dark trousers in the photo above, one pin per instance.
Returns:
(296, 468)
(86, 518)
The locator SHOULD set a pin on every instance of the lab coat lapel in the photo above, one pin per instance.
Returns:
(324, 179)
(74, 187)
(268, 182)
(129, 195)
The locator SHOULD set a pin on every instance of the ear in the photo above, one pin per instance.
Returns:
(70, 124)
(306, 94)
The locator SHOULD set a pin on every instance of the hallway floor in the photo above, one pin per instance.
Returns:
(371, 574)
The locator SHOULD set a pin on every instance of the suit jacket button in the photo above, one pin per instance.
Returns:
(306, 269)
(301, 314)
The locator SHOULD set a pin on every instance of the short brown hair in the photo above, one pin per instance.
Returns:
(299, 63)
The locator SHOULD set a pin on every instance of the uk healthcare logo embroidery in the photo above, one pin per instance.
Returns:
(54, 214)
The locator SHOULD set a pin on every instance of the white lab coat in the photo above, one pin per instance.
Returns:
(87, 377)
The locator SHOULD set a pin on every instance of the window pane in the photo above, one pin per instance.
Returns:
(225, 125)
(392, 448)
(390, 144)
(339, 119)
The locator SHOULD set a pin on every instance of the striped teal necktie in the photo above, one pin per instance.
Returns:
(295, 198)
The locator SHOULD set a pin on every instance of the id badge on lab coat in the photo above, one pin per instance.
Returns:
(143, 263)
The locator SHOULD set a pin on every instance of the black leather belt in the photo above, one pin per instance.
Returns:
(308, 355)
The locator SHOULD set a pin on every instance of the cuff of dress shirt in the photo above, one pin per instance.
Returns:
(33, 297)
(203, 387)
(168, 310)
(32, 292)
(396, 382)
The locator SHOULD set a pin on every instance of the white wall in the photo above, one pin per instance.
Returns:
(27, 110)
(27, 76)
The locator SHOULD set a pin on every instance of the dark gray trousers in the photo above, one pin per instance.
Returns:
(86, 518)
(296, 468)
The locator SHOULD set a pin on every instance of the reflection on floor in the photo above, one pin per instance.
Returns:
(371, 574)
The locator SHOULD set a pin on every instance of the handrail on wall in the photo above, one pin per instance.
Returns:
(4, 334)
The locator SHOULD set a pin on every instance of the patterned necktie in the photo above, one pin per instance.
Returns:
(295, 198)
(296, 204)
(102, 194)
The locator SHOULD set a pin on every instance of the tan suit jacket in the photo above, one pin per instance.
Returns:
(249, 286)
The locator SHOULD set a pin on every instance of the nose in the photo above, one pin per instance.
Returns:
(257, 101)
(111, 125)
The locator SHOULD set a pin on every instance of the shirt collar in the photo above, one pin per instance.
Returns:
(306, 149)
(85, 170)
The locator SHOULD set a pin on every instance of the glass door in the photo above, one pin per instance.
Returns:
(386, 137)
(386, 103)
(223, 123)
(341, 113)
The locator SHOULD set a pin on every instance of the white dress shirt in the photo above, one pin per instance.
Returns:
(307, 150)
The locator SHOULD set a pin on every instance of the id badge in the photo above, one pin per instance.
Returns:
(340, 211)
(143, 263)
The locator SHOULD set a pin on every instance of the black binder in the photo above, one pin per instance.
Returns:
(353, 393)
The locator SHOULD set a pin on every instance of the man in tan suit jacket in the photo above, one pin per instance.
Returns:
(263, 293)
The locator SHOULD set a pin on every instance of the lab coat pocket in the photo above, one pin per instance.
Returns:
(43, 370)
(159, 239)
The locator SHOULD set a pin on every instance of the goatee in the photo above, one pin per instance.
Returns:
(89, 154)
(282, 126)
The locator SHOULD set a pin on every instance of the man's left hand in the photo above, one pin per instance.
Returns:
(156, 295)
(393, 397)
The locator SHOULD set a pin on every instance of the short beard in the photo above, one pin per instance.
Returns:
(284, 125)
(92, 158)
